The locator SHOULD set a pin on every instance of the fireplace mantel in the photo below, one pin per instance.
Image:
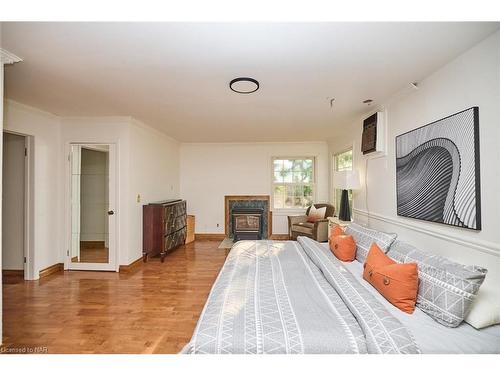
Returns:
(229, 198)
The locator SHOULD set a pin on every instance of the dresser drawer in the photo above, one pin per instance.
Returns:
(173, 224)
(175, 239)
(175, 210)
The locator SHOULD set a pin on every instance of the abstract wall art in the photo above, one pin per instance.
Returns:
(437, 171)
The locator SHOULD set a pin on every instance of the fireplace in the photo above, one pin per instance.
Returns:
(254, 206)
(246, 223)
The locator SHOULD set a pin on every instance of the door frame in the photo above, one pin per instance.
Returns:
(113, 203)
(29, 204)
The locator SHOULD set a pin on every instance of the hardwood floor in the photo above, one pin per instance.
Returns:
(151, 309)
(93, 252)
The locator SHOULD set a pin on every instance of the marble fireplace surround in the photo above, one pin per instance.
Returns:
(231, 200)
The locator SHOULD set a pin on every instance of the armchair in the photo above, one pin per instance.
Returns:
(299, 226)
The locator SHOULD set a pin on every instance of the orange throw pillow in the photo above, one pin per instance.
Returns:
(336, 231)
(398, 283)
(343, 247)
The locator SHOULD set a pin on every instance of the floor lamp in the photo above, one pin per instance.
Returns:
(345, 180)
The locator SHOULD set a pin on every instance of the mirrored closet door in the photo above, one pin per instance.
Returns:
(92, 206)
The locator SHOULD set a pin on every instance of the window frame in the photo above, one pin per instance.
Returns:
(336, 198)
(312, 183)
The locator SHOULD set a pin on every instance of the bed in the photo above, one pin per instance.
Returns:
(296, 297)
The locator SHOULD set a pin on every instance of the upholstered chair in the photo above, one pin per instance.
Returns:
(299, 226)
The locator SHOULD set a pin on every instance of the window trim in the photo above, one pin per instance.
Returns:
(334, 169)
(312, 183)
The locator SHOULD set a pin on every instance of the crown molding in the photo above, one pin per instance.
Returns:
(7, 57)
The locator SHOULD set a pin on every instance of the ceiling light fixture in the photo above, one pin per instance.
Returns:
(244, 85)
(368, 101)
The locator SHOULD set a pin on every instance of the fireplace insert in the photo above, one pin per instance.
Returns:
(247, 223)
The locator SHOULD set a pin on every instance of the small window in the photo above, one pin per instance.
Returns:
(293, 182)
(342, 162)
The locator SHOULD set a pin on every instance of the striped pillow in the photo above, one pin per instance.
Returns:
(446, 289)
(364, 238)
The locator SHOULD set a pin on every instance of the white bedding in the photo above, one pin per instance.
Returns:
(431, 336)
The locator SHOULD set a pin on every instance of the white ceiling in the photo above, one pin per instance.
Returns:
(175, 76)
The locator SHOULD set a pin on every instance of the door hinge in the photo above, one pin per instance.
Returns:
(25, 151)
(69, 157)
(24, 259)
(67, 252)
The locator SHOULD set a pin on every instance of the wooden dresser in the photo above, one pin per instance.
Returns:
(164, 227)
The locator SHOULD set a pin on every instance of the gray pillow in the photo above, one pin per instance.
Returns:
(446, 289)
(364, 237)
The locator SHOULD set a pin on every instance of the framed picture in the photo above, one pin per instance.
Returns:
(437, 171)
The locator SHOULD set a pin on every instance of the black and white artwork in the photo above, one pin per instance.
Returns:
(437, 171)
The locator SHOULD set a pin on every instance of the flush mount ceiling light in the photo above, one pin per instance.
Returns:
(244, 85)
(368, 101)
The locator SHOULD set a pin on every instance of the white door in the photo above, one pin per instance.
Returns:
(92, 207)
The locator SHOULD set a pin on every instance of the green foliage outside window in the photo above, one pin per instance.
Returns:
(293, 182)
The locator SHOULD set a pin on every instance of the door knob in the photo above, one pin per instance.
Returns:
(111, 212)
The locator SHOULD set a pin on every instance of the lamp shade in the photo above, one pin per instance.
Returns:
(348, 180)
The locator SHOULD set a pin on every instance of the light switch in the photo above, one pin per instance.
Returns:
(138, 198)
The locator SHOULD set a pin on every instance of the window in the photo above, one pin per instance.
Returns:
(293, 182)
(342, 162)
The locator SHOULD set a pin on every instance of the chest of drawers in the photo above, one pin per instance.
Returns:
(164, 227)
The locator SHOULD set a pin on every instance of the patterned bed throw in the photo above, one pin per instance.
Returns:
(290, 297)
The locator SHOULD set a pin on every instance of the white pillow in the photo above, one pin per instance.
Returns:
(485, 310)
(316, 214)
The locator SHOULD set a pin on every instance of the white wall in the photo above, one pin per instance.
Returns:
(148, 164)
(45, 128)
(13, 202)
(473, 79)
(209, 171)
(154, 175)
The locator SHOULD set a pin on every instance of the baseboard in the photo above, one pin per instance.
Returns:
(52, 269)
(13, 273)
(209, 236)
(221, 236)
(280, 237)
(92, 244)
(129, 267)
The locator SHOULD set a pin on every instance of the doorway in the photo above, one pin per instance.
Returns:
(92, 201)
(17, 199)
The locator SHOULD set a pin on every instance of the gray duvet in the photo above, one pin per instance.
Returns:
(296, 297)
(293, 297)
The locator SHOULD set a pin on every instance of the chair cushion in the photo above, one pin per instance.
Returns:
(447, 289)
(364, 238)
(305, 227)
